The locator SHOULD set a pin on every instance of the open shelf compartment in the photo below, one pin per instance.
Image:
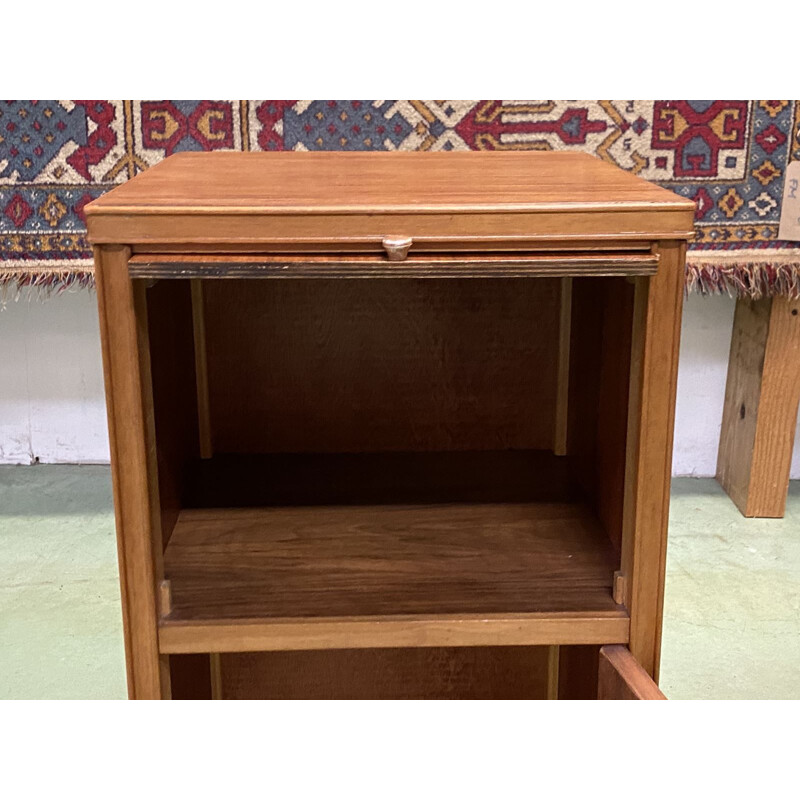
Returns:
(380, 469)
(390, 538)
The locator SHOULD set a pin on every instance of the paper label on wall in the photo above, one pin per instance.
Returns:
(789, 228)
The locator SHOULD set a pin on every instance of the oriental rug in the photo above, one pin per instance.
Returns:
(729, 156)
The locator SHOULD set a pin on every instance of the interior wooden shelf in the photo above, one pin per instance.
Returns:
(425, 573)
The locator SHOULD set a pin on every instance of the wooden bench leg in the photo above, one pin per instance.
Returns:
(761, 400)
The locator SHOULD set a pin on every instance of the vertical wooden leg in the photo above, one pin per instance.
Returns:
(123, 335)
(761, 400)
(648, 466)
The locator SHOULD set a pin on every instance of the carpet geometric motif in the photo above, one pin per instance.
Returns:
(728, 156)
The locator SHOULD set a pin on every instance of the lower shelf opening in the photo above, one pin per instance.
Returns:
(437, 545)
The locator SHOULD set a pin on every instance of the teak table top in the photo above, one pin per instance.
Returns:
(296, 197)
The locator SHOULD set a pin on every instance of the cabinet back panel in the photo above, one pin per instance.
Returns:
(424, 673)
(381, 365)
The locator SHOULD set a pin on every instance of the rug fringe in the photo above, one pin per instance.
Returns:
(40, 282)
(767, 275)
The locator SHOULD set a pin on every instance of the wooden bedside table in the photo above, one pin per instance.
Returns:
(390, 424)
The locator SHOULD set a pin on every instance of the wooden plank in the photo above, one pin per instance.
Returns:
(562, 392)
(761, 402)
(657, 309)
(201, 370)
(130, 416)
(358, 199)
(746, 364)
(553, 659)
(465, 231)
(432, 673)
(375, 266)
(336, 245)
(217, 692)
(236, 198)
(334, 561)
(313, 183)
(477, 630)
(621, 677)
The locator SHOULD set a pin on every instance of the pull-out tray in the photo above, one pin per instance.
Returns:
(427, 265)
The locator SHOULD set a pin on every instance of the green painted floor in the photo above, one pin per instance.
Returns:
(732, 601)
(731, 620)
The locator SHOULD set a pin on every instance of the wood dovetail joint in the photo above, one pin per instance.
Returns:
(397, 247)
(164, 598)
(620, 587)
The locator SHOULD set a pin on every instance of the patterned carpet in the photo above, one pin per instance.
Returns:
(727, 156)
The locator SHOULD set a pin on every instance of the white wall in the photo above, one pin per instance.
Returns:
(705, 345)
(51, 383)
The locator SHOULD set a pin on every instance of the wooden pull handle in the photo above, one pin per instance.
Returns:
(397, 247)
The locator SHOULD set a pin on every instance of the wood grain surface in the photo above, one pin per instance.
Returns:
(333, 561)
(416, 630)
(365, 366)
(658, 303)
(347, 201)
(431, 673)
(412, 182)
(761, 400)
(621, 677)
(489, 265)
(126, 369)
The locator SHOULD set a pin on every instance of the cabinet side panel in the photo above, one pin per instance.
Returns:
(612, 404)
(584, 382)
(383, 365)
(602, 310)
(123, 331)
(657, 319)
(169, 310)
